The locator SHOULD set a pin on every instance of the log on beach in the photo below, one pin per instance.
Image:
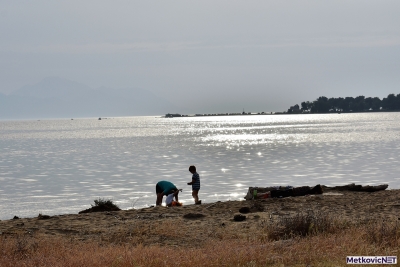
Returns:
(349, 187)
(359, 188)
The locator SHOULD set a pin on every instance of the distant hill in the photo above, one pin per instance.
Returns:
(55, 97)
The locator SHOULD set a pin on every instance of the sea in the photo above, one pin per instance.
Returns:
(60, 166)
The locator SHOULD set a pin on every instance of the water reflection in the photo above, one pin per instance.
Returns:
(78, 161)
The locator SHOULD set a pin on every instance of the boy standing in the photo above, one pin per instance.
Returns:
(195, 184)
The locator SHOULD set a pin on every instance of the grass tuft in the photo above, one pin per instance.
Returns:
(301, 225)
(104, 202)
(100, 205)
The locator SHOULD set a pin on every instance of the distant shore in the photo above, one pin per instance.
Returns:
(178, 115)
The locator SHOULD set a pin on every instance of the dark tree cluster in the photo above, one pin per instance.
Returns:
(348, 104)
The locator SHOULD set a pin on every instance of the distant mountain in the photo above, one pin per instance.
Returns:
(53, 87)
(55, 97)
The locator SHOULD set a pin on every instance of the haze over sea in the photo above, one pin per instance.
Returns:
(60, 166)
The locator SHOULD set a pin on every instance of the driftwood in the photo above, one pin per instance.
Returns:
(250, 192)
(282, 191)
(299, 191)
(359, 188)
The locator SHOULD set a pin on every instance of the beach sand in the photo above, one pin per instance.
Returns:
(193, 225)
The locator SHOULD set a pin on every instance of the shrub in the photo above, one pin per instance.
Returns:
(302, 224)
(102, 204)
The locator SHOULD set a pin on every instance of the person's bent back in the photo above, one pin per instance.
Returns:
(164, 188)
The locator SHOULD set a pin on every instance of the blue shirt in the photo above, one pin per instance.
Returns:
(167, 187)
(196, 181)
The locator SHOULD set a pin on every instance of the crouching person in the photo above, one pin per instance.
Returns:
(169, 201)
(165, 188)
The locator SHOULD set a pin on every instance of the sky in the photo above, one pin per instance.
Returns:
(207, 56)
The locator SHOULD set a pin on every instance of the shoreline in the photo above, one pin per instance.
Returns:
(193, 221)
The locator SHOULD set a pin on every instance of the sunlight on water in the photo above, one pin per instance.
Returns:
(61, 166)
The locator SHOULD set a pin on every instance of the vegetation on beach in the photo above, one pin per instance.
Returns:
(102, 204)
(348, 104)
(313, 239)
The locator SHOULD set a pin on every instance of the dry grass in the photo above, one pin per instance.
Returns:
(302, 224)
(302, 240)
(383, 233)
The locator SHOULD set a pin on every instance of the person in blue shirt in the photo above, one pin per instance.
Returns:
(164, 188)
(195, 184)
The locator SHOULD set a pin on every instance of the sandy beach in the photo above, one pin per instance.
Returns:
(193, 225)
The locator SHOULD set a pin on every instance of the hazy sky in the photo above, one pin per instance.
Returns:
(207, 56)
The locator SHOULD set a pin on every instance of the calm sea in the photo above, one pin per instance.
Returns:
(61, 166)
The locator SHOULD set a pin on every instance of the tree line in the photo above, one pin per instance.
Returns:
(348, 104)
